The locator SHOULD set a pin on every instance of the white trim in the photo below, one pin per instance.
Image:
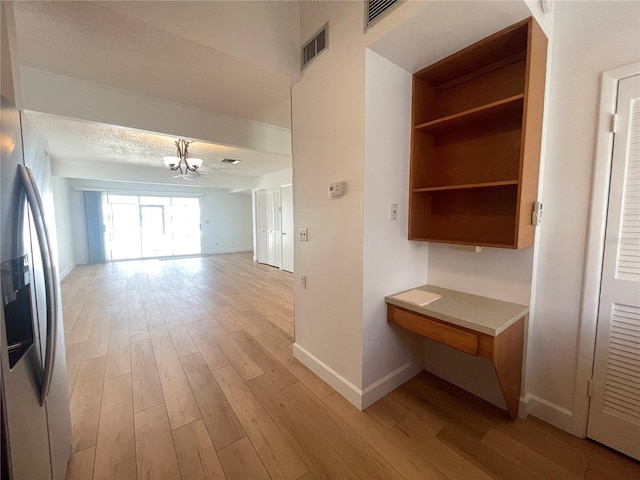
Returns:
(595, 245)
(359, 398)
(139, 193)
(547, 411)
(227, 250)
(67, 271)
(343, 386)
(389, 382)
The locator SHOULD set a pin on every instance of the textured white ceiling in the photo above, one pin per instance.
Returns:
(79, 141)
(234, 58)
(169, 60)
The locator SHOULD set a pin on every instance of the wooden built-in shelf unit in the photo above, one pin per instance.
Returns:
(475, 143)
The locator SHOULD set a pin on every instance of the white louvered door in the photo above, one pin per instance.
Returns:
(614, 412)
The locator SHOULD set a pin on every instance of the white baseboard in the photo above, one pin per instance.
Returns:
(67, 271)
(359, 398)
(389, 382)
(343, 386)
(228, 250)
(547, 411)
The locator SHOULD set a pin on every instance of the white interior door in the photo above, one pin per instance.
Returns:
(287, 228)
(269, 227)
(261, 220)
(274, 234)
(277, 229)
(271, 244)
(614, 411)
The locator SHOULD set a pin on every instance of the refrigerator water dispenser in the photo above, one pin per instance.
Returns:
(16, 301)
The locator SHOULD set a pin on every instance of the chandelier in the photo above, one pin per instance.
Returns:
(181, 161)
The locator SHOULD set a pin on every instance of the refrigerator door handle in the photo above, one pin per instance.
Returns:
(35, 204)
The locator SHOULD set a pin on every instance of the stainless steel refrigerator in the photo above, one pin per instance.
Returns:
(36, 427)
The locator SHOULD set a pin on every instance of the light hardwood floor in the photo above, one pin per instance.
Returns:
(184, 369)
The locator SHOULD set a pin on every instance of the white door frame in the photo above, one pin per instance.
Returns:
(595, 243)
(291, 235)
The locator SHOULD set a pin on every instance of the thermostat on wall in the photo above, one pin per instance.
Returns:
(336, 189)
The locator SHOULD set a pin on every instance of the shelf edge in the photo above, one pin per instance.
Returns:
(469, 113)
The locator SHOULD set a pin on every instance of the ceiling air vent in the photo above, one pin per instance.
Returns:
(375, 9)
(314, 47)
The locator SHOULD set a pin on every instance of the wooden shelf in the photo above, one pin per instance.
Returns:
(502, 108)
(468, 185)
(482, 71)
(489, 51)
(475, 216)
(475, 145)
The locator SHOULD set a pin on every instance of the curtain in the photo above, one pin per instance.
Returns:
(95, 226)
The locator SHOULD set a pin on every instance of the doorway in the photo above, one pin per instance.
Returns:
(269, 227)
(151, 226)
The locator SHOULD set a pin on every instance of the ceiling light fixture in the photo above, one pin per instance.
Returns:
(230, 161)
(181, 162)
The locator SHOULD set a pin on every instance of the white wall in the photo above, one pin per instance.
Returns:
(264, 33)
(328, 106)
(78, 226)
(337, 137)
(227, 222)
(226, 216)
(391, 263)
(68, 97)
(9, 71)
(64, 231)
(274, 180)
(328, 146)
(589, 38)
(496, 272)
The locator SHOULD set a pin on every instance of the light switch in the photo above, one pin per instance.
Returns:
(303, 234)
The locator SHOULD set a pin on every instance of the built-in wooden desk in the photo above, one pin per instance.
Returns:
(480, 326)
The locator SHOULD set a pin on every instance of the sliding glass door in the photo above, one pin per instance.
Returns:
(123, 240)
(147, 227)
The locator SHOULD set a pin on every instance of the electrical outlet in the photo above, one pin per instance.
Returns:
(303, 282)
(536, 214)
(303, 234)
(393, 212)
